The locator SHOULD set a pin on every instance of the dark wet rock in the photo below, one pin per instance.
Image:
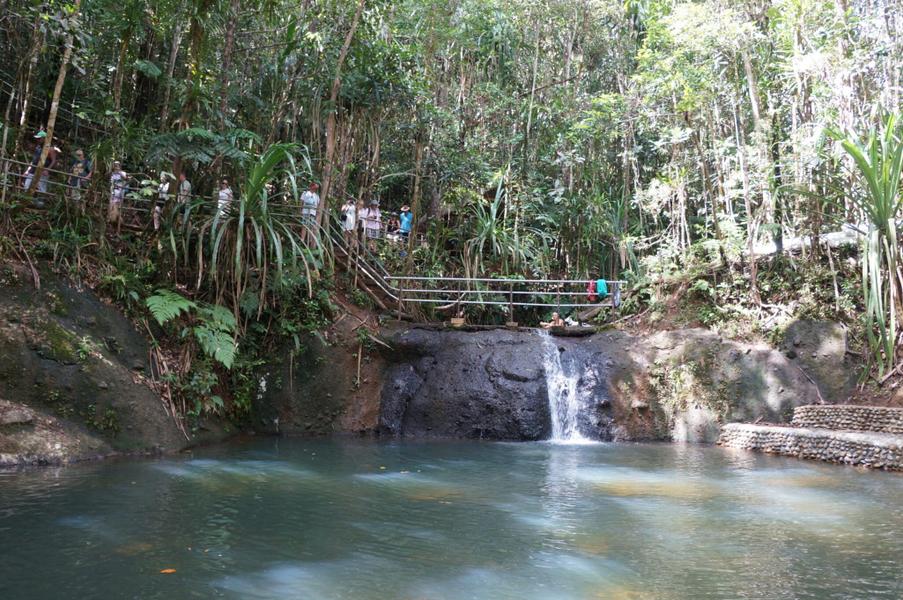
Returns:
(486, 384)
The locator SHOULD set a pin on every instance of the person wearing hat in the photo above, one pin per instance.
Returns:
(405, 222)
(224, 198)
(118, 184)
(79, 174)
(36, 158)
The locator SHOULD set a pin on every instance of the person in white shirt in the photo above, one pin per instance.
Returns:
(310, 200)
(118, 184)
(162, 198)
(183, 196)
(349, 221)
(224, 199)
(373, 224)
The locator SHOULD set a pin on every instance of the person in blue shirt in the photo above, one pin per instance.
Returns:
(406, 222)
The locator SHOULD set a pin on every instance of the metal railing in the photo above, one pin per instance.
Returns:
(400, 290)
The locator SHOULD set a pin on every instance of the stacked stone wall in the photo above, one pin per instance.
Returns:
(849, 418)
(875, 450)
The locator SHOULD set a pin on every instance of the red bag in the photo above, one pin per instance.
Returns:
(591, 292)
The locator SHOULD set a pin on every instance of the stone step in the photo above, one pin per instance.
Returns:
(870, 449)
(847, 417)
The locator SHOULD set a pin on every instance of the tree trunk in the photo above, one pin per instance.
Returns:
(55, 103)
(120, 69)
(178, 32)
(227, 59)
(331, 117)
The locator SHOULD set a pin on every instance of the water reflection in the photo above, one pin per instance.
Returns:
(452, 520)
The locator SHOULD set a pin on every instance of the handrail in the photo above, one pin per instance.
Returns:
(502, 280)
(361, 258)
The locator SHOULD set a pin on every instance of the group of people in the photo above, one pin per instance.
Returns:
(79, 173)
(360, 218)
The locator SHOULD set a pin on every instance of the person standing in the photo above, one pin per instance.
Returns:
(406, 222)
(183, 196)
(349, 222)
(310, 202)
(36, 158)
(373, 224)
(79, 174)
(118, 184)
(162, 199)
(224, 198)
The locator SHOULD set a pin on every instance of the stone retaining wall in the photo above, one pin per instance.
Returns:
(849, 418)
(876, 450)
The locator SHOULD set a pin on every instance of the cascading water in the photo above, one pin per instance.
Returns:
(564, 400)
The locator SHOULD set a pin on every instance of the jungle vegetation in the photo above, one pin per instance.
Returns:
(698, 149)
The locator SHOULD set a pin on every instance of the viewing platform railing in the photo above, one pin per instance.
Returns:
(444, 293)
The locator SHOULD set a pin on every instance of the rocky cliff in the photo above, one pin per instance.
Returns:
(680, 385)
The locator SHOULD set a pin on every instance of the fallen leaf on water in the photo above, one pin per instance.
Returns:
(167, 571)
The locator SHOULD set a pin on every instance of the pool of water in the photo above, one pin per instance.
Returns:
(323, 519)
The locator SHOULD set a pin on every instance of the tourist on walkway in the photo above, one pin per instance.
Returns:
(49, 162)
(349, 222)
(118, 184)
(183, 196)
(224, 198)
(79, 175)
(406, 222)
(310, 201)
(372, 224)
(162, 199)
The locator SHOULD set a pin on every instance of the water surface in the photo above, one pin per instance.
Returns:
(323, 519)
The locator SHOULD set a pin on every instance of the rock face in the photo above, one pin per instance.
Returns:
(820, 349)
(679, 385)
(71, 378)
(314, 388)
(459, 384)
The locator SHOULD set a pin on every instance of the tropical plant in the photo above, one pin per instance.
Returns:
(213, 327)
(879, 159)
(245, 248)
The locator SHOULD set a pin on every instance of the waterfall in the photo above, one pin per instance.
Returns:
(564, 401)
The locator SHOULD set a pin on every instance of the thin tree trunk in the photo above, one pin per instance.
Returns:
(227, 59)
(178, 32)
(31, 60)
(55, 103)
(120, 69)
(331, 117)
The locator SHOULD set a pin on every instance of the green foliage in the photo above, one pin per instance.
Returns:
(212, 326)
(879, 160)
(166, 305)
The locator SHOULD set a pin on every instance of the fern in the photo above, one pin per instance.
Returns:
(216, 344)
(165, 305)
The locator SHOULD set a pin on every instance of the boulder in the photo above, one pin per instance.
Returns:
(819, 348)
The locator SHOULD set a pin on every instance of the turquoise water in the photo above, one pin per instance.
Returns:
(323, 519)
